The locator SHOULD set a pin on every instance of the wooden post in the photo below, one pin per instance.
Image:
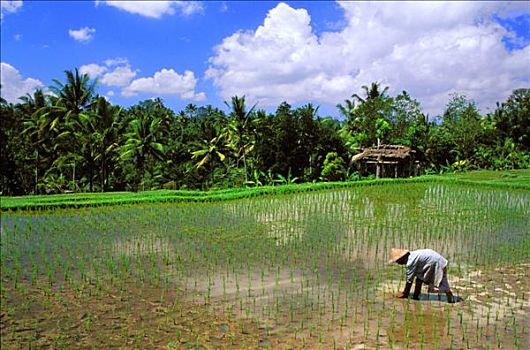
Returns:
(395, 170)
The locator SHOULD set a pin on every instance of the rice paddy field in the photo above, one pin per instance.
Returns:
(304, 270)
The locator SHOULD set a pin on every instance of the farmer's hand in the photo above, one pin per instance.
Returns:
(401, 295)
(405, 293)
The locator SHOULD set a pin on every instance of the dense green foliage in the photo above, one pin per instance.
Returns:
(76, 141)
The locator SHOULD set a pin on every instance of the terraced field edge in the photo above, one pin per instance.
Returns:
(50, 202)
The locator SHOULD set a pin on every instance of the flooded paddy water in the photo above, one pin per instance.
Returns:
(304, 270)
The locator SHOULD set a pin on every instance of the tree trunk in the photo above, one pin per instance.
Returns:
(37, 172)
(91, 181)
(140, 164)
(103, 174)
(73, 177)
(311, 166)
(245, 166)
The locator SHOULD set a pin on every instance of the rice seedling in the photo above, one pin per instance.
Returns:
(310, 265)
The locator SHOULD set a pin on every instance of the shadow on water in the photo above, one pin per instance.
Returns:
(438, 297)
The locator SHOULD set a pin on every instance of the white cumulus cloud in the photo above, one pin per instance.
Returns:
(188, 8)
(93, 70)
(9, 6)
(430, 49)
(115, 72)
(116, 61)
(13, 85)
(83, 34)
(120, 76)
(166, 82)
(156, 9)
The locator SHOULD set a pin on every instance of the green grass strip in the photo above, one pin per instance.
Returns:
(79, 200)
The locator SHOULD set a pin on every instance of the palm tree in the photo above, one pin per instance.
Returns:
(348, 108)
(46, 131)
(209, 151)
(371, 92)
(239, 128)
(54, 125)
(352, 124)
(104, 124)
(30, 103)
(143, 140)
(191, 110)
(308, 135)
(367, 121)
(77, 93)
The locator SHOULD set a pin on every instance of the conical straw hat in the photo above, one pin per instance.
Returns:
(396, 254)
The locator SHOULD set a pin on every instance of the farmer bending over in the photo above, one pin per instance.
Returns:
(427, 266)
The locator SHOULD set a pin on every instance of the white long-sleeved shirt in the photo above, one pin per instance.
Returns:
(427, 265)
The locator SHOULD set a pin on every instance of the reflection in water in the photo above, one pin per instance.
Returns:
(311, 256)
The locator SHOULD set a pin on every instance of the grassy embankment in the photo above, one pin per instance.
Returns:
(515, 179)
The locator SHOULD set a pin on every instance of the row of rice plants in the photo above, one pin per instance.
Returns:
(312, 265)
(79, 200)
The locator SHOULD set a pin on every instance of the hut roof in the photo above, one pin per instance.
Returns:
(388, 152)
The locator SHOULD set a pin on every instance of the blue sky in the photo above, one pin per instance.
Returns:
(299, 52)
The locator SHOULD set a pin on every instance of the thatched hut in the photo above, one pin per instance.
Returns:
(387, 161)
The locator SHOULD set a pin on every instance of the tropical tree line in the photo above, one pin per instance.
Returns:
(74, 140)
